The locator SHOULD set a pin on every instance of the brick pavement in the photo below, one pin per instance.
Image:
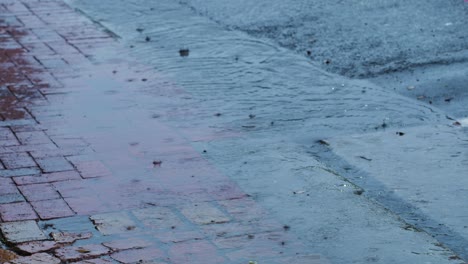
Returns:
(60, 202)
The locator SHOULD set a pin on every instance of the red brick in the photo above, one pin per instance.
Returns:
(17, 113)
(37, 246)
(20, 172)
(48, 177)
(65, 142)
(6, 134)
(177, 236)
(95, 261)
(9, 192)
(39, 192)
(160, 218)
(17, 160)
(17, 212)
(139, 255)
(195, 252)
(50, 209)
(131, 243)
(31, 138)
(54, 164)
(244, 209)
(81, 252)
(86, 205)
(38, 48)
(204, 213)
(69, 238)
(7, 143)
(7, 186)
(37, 259)
(77, 188)
(54, 63)
(92, 169)
(17, 7)
(31, 21)
(62, 47)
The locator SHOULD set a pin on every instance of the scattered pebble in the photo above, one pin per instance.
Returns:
(184, 52)
(358, 192)
(323, 142)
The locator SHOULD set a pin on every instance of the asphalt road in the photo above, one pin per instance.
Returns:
(361, 165)
(397, 44)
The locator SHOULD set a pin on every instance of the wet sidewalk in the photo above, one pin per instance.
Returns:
(87, 176)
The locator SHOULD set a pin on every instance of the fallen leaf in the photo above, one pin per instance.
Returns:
(83, 250)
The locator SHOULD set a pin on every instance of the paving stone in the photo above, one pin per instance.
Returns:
(278, 241)
(6, 134)
(48, 177)
(39, 258)
(39, 192)
(138, 255)
(50, 209)
(11, 198)
(23, 231)
(65, 142)
(77, 253)
(9, 193)
(158, 218)
(195, 252)
(69, 238)
(261, 246)
(7, 186)
(37, 246)
(54, 164)
(177, 236)
(86, 205)
(92, 169)
(17, 160)
(204, 213)
(10, 142)
(114, 223)
(130, 243)
(76, 188)
(20, 172)
(17, 212)
(244, 209)
(77, 224)
(32, 138)
(95, 261)
(305, 259)
(231, 229)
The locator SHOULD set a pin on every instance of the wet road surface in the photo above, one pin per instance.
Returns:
(182, 112)
(291, 115)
